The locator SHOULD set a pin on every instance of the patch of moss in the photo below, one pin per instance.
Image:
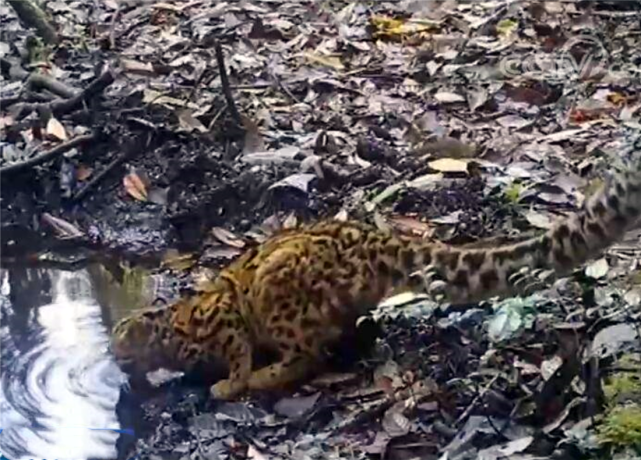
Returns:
(623, 386)
(621, 428)
(513, 192)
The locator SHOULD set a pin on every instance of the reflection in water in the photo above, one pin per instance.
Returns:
(58, 381)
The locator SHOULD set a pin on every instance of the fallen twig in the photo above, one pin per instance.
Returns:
(48, 155)
(112, 27)
(98, 177)
(224, 81)
(127, 153)
(14, 71)
(62, 106)
(40, 81)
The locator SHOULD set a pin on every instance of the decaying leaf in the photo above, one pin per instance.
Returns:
(394, 422)
(409, 224)
(476, 98)
(297, 181)
(550, 366)
(63, 228)
(426, 182)
(228, 237)
(613, 339)
(333, 62)
(538, 219)
(190, 123)
(448, 97)
(399, 29)
(151, 96)
(136, 67)
(296, 407)
(388, 377)
(505, 451)
(174, 260)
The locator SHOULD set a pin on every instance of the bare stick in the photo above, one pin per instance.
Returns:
(40, 81)
(62, 106)
(112, 27)
(48, 155)
(98, 177)
(31, 15)
(95, 87)
(224, 81)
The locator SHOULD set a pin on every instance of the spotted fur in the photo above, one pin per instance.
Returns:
(300, 290)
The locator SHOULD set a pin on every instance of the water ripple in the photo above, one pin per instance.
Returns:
(58, 383)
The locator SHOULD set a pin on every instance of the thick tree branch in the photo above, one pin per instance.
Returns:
(31, 15)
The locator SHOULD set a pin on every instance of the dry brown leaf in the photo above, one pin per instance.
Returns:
(174, 260)
(410, 224)
(333, 62)
(189, 123)
(227, 237)
(135, 186)
(449, 165)
(401, 29)
(136, 67)
(617, 98)
(150, 96)
(63, 228)
(55, 130)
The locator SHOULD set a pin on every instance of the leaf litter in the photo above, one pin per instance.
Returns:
(455, 120)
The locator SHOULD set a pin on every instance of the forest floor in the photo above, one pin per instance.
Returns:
(174, 134)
